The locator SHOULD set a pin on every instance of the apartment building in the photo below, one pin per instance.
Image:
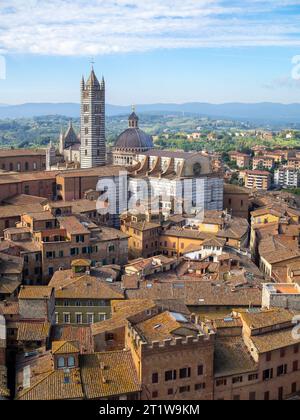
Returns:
(242, 160)
(287, 177)
(263, 162)
(260, 180)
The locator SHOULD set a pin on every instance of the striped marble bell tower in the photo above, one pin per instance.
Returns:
(93, 147)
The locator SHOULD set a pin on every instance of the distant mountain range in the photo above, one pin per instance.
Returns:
(259, 112)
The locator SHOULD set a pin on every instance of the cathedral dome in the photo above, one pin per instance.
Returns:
(133, 137)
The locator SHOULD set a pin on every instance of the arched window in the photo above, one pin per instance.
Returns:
(71, 361)
(61, 362)
(26, 166)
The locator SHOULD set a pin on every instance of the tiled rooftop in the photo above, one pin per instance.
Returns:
(109, 374)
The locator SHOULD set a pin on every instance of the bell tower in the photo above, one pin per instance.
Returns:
(93, 144)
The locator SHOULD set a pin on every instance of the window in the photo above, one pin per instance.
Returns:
(267, 396)
(267, 374)
(183, 389)
(296, 348)
(282, 370)
(50, 271)
(61, 362)
(56, 318)
(280, 393)
(78, 318)
(50, 255)
(253, 377)
(67, 318)
(71, 361)
(221, 382)
(154, 394)
(102, 317)
(237, 380)
(294, 388)
(170, 375)
(155, 378)
(185, 373)
(109, 337)
(79, 238)
(90, 318)
(170, 391)
(295, 366)
(200, 370)
(269, 357)
(282, 353)
(200, 387)
(74, 251)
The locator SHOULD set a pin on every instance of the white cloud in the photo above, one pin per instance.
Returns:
(77, 27)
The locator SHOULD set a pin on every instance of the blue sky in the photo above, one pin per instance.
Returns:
(152, 51)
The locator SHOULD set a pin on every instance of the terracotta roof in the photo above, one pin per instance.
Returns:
(121, 311)
(265, 210)
(109, 374)
(85, 287)
(165, 326)
(25, 200)
(274, 340)
(232, 357)
(8, 285)
(81, 263)
(53, 386)
(72, 225)
(33, 331)
(80, 334)
(263, 319)
(35, 292)
(21, 152)
(9, 308)
(101, 171)
(65, 347)
(198, 293)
